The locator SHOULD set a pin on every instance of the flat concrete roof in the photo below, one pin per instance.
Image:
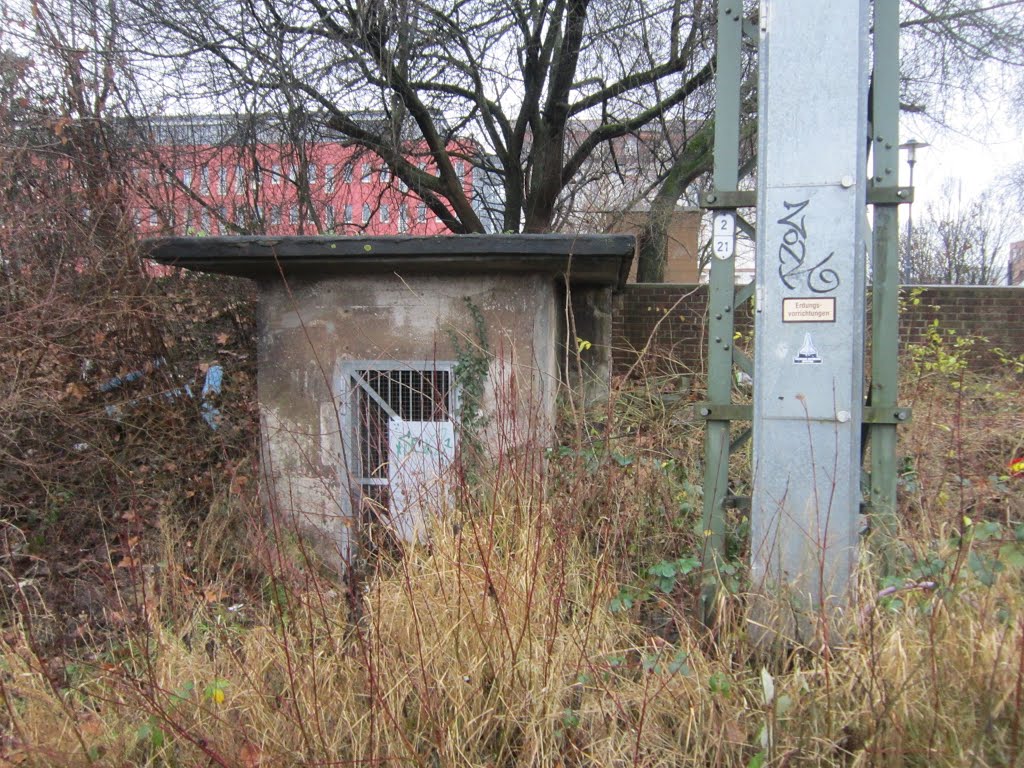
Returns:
(591, 259)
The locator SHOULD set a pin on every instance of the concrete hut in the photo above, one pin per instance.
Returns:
(371, 349)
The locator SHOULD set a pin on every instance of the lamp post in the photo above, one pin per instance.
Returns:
(911, 146)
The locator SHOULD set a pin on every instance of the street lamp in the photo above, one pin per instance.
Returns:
(911, 146)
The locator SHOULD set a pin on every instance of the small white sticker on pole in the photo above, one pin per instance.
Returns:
(723, 242)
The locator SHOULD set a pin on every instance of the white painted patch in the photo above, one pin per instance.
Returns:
(419, 453)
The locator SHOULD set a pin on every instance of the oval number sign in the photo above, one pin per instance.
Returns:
(724, 241)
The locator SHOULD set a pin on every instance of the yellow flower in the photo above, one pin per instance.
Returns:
(215, 691)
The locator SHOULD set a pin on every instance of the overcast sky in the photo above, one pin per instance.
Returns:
(982, 142)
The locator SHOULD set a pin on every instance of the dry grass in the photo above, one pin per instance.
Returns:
(498, 645)
(150, 617)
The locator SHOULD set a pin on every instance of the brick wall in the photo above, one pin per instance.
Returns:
(996, 313)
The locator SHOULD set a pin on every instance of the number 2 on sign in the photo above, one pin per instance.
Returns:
(724, 240)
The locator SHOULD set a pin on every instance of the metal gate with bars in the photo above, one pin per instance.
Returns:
(381, 396)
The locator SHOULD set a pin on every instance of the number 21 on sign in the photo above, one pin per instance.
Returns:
(724, 240)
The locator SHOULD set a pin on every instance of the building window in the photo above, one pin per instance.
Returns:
(403, 219)
(222, 180)
(222, 215)
(186, 177)
(400, 433)
(204, 218)
(366, 213)
(329, 179)
(367, 173)
(311, 173)
(275, 215)
(460, 169)
(421, 213)
(346, 173)
(385, 175)
(275, 173)
(204, 180)
(239, 179)
(329, 217)
(348, 213)
(293, 215)
(385, 213)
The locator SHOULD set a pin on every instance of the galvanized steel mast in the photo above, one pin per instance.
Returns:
(812, 239)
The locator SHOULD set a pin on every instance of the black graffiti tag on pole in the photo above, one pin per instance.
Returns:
(793, 269)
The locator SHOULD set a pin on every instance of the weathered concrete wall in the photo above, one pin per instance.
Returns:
(585, 341)
(310, 330)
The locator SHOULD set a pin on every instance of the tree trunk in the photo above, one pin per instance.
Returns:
(653, 239)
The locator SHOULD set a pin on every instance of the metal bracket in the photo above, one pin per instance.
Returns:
(748, 198)
(723, 198)
(740, 440)
(743, 293)
(751, 32)
(878, 415)
(746, 228)
(742, 361)
(724, 411)
(736, 502)
(890, 195)
(742, 412)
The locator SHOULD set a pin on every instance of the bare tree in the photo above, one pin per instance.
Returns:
(541, 98)
(946, 49)
(71, 78)
(538, 87)
(957, 242)
(1013, 179)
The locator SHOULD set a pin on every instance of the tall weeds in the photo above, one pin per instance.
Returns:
(549, 620)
